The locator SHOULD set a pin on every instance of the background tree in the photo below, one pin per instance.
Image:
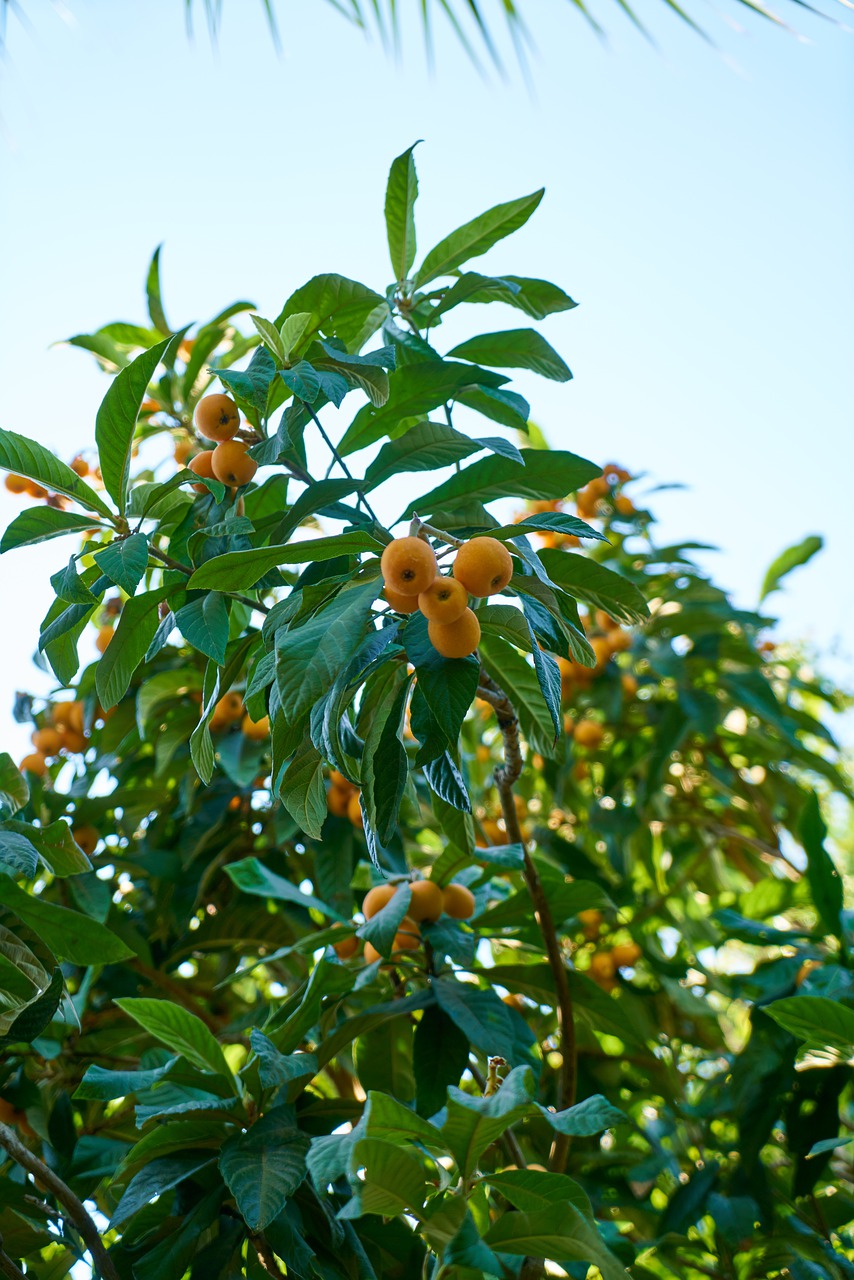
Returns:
(325, 953)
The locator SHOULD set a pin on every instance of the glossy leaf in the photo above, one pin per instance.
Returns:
(400, 196)
(544, 475)
(476, 237)
(179, 1030)
(514, 349)
(264, 1166)
(28, 458)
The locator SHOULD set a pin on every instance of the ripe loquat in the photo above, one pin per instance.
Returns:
(619, 640)
(47, 741)
(400, 603)
(337, 802)
(377, 898)
(103, 638)
(408, 936)
(602, 968)
(455, 639)
(69, 714)
(202, 465)
(629, 684)
(34, 763)
(17, 484)
(232, 464)
(427, 901)
(445, 600)
(255, 730)
(408, 566)
(626, 954)
(589, 733)
(347, 947)
(217, 417)
(86, 838)
(79, 465)
(458, 902)
(484, 566)
(590, 921)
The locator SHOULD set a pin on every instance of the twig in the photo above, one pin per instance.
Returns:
(8, 1267)
(360, 497)
(171, 563)
(266, 1256)
(74, 1207)
(506, 775)
(419, 528)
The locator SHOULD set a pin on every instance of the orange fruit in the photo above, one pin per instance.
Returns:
(347, 947)
(445, 600)
(17, 484)
(232, 464)
(589, 733)
(202, 465)
(103, 638)
(427, 902)
(408, 566)
(458, 902)
(86, 838)
(377, 898)
(484, 566)
(455, 639)
(34, 763)
(217, 417)
(408, 936)
(47, 741)
(255, 730)
(400, 603)
(602, 967)
(626, 954)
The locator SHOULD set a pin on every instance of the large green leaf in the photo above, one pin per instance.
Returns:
(204, 623)
(537, 298)
(153, 295)
(826, 1027)
(18, 857)
(395, 1181)
(264, 1166)
(14, 791)
(384, 763)
(70, 935)
(135, 631)
(55, 845)
(339, 308)
(824, 880)
(475, 237)
(253, 877)
(36, 1015)
(448, 685)
(39, 524)
(302, 789)
(155, 1179)
(514, 349)
(596, 585)
(381, 929)
(179, 1030)
(124, 561)
(559, 1231)
(115, 422)
(545, 474)
(792, 558)
(383, 1058)
(400, 196)
(27, 458)
(425, 447)
(440, 1056)
(239, 570)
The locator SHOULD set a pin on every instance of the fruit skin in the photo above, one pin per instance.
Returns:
(590, 921)
(629, 684)
(445, 600)
(347, 947)
(255, 730)
(232, 464)
(371, 953)
(17, 484)
(47, 741)
(73, 742)
(602, 968)
(602, 649)
(337, 802)
(86, 838)
(227, 711)
(588, 733)
(103, 638)
(79, 466)
(484, 566)
(408, 566)
(455, 639)
(458, 902)
(626, 954)
(400, 603)
(217, 417)
(34, 763)
(202, 465)
(427, 901)
(377, 898)
(69, 714)
(619, 640)
(408, 936)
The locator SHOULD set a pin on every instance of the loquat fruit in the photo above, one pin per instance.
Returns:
(604, 621)
(400, 603)
(37, 491)
(217, 417)
(445, 600)
(427, 902)
(337, 802)
(484, 566)
(629, 684)
(458, 902)
(338, 780)
(17, 484)
(347, 947)
(255, 730)
(202, 465)
(72, 741)
(602, 649)
(86, 838)
(590, 921)
(371, 953)
(79, 465)
(602, 967)
(455, 639)
(626, 954)
(47, 741)
(34, 763)
(624, 505)
(377, 898)
(589, 733)
(232, 464)
(408, 566)
(103, 638)
(408, 936)
(69, 714)
(619, 640)
(183, 450)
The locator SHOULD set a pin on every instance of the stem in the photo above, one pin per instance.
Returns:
(506, 776)
(266, 1257)
(420, 528)
(8, 1267)
(74, 1207)
(508, 1138)
(171, 563)
(361, 500)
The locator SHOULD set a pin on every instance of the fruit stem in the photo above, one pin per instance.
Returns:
(419, 528)
(506, 775)
(361, 500)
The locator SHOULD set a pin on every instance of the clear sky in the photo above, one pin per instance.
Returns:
(698, 208)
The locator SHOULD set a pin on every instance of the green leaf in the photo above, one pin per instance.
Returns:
(441, 1055)
(17, 855)
(522, 685)
(384, 764)
(251, 384)
(415, 390)
(155, 1179)
(276, 1068)
(70, 935)
(55, 845)
(473, 1123)
(537, 298)
(585, 1119)
(479, 1014)
(264, 1166)
(70, 586)
(597, 586)
(39, 524)
(270, 336)
(395, 1181)
(530, 1189)
(514, 349)
(239, 570)
(103, 1085)
(546, 474)
(400, 196)
(14, 791)
(553, 521)
(302, 790)
(125, 561)
(179, 1030)
(28, 458)
(383, 1058)
(824, 880)
(792, 558)
(302, 380)
(204, 623)
(560, 1232)
(475, 237)
(310, 656)
(467, 1251)
(251, 876)
(826, 1027)
(152, 291)
(129, 645)
(115, 422)
(339, 308)
(499, 405)
(38, 1014)
(425, 447)
(448, 685)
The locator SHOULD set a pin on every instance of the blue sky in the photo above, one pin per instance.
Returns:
(698, 209)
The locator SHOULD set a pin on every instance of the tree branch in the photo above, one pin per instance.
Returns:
(506, 776)
(8, 1267)
(171, 563)
(266, 1256)
(74, 1207)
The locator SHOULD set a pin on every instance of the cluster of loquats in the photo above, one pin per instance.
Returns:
(342, 799)
(605, 962)
(22, 486)
(59, 731)
(482, 567)
(230, 712)
(229, 461)
(428, 902)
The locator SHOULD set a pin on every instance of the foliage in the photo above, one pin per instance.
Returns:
(622, 1039)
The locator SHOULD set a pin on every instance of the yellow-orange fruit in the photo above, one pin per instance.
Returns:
(602, 649)
(217, 417)
(445, 600)
(805, 970)
(598, 488)
(377, 898)
(493, 832)
(604, 621)
(400, 603)
(230, 705)
(47, 741)
(458, 902)
(624, 505)
(86, 838)
(408, 936)
(602, 967)
(34, 763)
(427, 901)
(183, 450)
(408, 566)
(589, 734)
(455, 639)
(37, 491)
(619, 640)
(337, 802)
(72, 741)
(354, 811)
(103, 638)
(626, 954)
(79, 466)
(482, 753)
(371, 953)
(232, 464)
(255, 730)
(202, 465)
(484, 566)
(338, 780)
(17, 484)
(347, 947)
(69, 714)
(629, 683)
(514, 1001)
(590, 921)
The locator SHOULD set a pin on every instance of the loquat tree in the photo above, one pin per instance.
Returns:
(444, 897)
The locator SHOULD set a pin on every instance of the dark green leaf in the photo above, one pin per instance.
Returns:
(124, 561)
(826, 1027)
(239, 570)
(39, 524)
(131, 638)
(264, 1166)
(204, 624)
(597, 586)
(152, 289)
(824, 880)
(302, 789)
(70, 935)
(400, 196)
(545, 474)
(251, 876)
(17, 855)
(14, 791)
(441, 1054)
(27, 458)
(514, 349)
(179, 1030)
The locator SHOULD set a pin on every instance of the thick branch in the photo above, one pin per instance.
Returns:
(506, 776)
(266, 1257)
(74, 1207)
(8, 1267)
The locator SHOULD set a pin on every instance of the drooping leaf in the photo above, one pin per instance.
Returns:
(14, 791)
(545, 475)
(240, 570)
(792, 558)
(824, 880)
(253, 877)
(514, 349)
(70, 935)
(28, 458)
(131, 638)
(39, 524)
(302, 789)
(440, 1056)
(596, 585)
(124, 561)
(18, 857)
